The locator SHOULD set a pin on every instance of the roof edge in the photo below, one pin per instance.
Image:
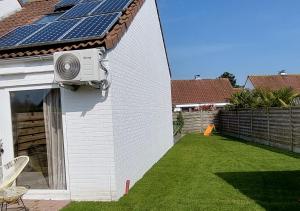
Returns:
(163, 38)
(273, 75)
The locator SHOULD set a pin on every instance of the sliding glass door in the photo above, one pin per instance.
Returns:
(37, 133)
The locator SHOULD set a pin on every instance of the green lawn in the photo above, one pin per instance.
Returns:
(214, 173)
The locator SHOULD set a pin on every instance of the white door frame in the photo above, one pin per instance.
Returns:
(6, 134)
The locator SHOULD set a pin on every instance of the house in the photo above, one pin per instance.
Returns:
(189, 95)
(91, 141)
(274, 82)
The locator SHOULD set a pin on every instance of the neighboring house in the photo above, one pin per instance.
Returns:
(84, 142)
(274, 82)
(189, 95)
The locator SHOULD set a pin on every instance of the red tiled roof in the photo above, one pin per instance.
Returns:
(33, 11)
(275, 82)
(201, 91)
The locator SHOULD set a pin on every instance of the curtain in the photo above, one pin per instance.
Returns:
(54, 140)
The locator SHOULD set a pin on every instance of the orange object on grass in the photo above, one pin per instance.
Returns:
(209, 129)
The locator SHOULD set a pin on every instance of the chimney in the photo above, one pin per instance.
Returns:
(282, 73)
(197, 77)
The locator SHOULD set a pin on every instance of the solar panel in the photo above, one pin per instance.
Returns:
(66, 3)
(111, 6)
(92, 27)
(89, 19)
(19, 34)
(80, 10)
(51, 32)
(85, 1)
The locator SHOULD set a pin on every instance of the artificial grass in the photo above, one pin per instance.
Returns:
(214, 173)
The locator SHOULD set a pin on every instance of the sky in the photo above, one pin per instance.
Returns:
(244, 37)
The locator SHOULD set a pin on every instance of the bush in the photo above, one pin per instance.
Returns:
(263, 98)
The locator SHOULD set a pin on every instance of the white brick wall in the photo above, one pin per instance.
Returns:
(89, 134)
(141, 102)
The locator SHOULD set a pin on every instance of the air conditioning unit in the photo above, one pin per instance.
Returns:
(78, 67)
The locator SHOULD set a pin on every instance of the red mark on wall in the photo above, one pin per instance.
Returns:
(127, 187)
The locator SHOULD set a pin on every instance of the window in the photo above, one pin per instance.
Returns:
(37, 133)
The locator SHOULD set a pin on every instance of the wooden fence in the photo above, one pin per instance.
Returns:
(277, 127)
(197, 121)
(29, 131)
(30, 139)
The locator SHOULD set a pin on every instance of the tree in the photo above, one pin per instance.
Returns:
(231, 78)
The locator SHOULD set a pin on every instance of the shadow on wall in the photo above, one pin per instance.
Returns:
(84, 99)
(273, 190)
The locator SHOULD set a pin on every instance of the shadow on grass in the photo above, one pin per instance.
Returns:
(273, 190)
(266, 147)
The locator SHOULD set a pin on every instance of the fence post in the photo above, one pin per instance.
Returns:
(238, 116)
(268, 120)
(228, 116)
(201, 119)
(251, 126)
(291, 128)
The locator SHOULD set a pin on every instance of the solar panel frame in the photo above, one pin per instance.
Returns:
(110, 6)
(45, 37)
(86, 1)
(84, 27)
(66, 3)
(7, 41)
(80, 10)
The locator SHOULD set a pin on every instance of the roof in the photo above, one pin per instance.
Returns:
(275, 82)
(33, 11)
(201, 91)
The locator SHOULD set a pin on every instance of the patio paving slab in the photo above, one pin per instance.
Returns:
(41, 205)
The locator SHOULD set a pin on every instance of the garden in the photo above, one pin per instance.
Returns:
(214, 173)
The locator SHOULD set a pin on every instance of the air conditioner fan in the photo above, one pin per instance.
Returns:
(67, 66)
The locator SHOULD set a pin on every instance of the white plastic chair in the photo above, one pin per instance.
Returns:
(10, 172)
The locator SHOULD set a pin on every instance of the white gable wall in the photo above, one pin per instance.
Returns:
(248, 84)
(142, 116)
(7, 7)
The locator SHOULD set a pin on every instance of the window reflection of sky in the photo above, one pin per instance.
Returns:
(24, 100)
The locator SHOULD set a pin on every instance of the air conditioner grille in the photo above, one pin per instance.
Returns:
(67, 66)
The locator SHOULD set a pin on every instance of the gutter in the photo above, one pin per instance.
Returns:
(200, 104)
(21, 3)
(26, 59)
